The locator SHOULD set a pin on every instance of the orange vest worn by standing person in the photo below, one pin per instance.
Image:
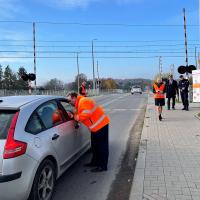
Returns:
(90, 114)
(158, 94)
(83, 91)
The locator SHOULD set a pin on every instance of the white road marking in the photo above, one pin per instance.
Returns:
(122, 109)
(109, 102)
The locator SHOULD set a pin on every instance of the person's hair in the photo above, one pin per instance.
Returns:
(72, 94)
(158, 78)
(170, 76)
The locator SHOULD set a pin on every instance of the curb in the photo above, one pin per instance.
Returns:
(138, 179)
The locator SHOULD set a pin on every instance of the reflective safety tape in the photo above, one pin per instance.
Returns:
(98, 122)
(90, 111)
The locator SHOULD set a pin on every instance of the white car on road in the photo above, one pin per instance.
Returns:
(38, 142)
(136, 89)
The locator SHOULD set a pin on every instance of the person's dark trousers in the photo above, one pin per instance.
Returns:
(100, 147)
(173, 101)
(184, 97)
(95, 159)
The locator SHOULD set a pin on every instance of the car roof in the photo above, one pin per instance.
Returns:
(15, 102)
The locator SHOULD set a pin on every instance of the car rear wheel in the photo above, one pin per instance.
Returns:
(44, 181)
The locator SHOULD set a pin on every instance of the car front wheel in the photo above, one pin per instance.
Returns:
(44, 182)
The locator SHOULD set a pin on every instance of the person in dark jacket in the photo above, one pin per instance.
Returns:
(184, 89)
(171, 91)
(159, 90)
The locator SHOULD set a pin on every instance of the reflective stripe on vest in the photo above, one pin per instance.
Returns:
(90, 111)
(98, 122)
(158, 95)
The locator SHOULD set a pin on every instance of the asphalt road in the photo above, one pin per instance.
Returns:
(78, 183)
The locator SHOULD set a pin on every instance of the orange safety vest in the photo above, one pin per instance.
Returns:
(83, 91)
(159, 95)
(90, 114)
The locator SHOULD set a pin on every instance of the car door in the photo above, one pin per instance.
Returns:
(82, 134)
(53, 134)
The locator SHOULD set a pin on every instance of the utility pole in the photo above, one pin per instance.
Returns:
(98, 73)
(34, 54)
(160, 66)
(198, 60)
(185, 36)
(77, 60)
(94, 85)
(196, 57)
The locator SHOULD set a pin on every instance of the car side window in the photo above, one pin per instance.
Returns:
(68, 108)
(50, 114)
(34, 125)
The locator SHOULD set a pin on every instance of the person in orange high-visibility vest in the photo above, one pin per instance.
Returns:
(82, 89)
(93, 116)
(159, 90)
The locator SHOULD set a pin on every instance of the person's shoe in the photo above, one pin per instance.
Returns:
(160, 117)
(183, 108)
(99, 169)
(90, 165)
(173, 108)
(187, 109)
(168, 108)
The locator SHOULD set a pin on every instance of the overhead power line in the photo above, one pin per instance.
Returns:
(98, 41)
(99, 46)
(89, 52)
(88, 57)
(96, 24)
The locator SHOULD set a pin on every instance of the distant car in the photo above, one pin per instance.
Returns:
(38, 142)
(136, 90)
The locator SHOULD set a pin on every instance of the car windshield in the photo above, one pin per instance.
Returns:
(5, 121)
(136, 88)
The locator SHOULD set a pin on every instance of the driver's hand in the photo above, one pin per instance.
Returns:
(71, 116)
(76, 117)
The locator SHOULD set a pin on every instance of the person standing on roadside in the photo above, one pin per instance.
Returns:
(184, 89)
(159, 90)
(171, 91)
(82, 89)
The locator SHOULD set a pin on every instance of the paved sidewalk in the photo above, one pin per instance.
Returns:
(168, 165)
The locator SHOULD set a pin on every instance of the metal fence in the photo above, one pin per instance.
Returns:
(57, 92)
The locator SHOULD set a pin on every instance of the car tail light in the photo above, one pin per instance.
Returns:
(13, 148)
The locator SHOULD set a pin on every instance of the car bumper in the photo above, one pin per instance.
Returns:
(10, 177)
(16, 184)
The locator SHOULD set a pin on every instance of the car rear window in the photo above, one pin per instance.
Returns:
(5, 121)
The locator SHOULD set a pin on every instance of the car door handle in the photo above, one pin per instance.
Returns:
(55, 137)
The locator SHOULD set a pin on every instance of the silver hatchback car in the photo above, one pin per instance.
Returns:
(38, 142)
